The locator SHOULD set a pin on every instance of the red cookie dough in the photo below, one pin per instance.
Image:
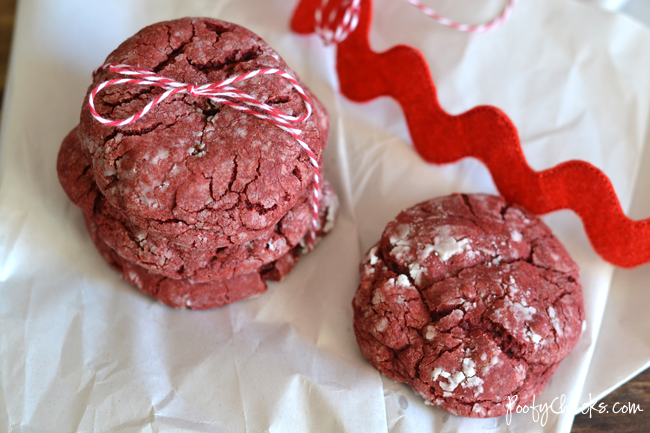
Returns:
(190, 164)
(469, 300)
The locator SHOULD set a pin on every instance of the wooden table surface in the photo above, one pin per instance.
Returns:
(636, 391)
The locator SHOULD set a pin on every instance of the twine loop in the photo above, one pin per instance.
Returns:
(333, 33)
(222, 93)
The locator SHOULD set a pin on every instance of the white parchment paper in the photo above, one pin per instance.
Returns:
(81, 350)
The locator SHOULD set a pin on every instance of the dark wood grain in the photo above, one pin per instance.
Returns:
(636, 391)
(7, 13)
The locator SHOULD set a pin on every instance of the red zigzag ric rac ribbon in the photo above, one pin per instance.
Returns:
(221, 93)
(485, 133)
(332, 32)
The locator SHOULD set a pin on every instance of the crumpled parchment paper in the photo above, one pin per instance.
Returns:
(81, 350)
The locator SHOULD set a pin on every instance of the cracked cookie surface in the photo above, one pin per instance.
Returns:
(180, 293)
(192, 165)
(185, 293)
(470, 301)
(166, 258)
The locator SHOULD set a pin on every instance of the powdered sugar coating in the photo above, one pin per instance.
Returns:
(178, 276)
(489, 321)
(181, 293)
(160, 255)
(191, 164)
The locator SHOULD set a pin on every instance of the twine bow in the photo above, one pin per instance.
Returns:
(224, 94)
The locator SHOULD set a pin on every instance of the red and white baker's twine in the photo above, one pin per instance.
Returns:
(346, 26)
(218, 92)
(325, 28)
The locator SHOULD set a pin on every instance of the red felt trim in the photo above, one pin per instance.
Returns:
(485, 133)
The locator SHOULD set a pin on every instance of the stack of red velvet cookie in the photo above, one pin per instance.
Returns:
(197, 203)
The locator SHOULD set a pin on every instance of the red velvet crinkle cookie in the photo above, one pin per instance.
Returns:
(469, 300)
(180, 293)
(186, 293)
(166, 258)
(180, 276)
(75, 173)
(191, 164)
